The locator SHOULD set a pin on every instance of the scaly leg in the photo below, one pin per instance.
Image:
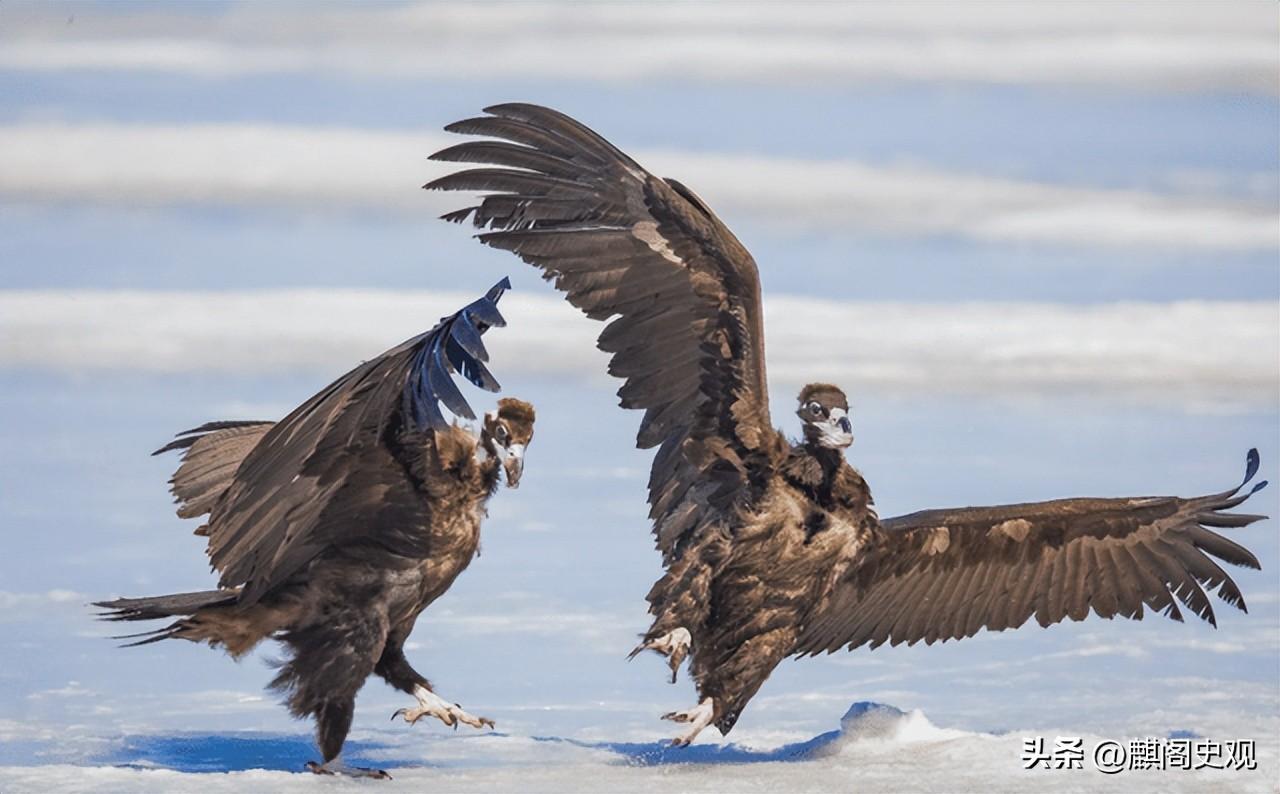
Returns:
(698, 717)
(674, 645)
(395, 668)
(432, 705)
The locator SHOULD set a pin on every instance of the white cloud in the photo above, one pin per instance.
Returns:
(10, 601)
(1185, 46)
(1197, 354)
(73, 689)
(351, 170)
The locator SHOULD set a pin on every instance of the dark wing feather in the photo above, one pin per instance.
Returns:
(684, 295)
(211, 454)
(945, 574)
(327, 474)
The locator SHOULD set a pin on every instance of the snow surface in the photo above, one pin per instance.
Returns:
(876, 748)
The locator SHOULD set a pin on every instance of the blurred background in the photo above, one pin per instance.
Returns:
(1036, 244)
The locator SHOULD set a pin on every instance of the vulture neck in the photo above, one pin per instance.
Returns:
(818, 474)
(829, 458)
(488, 463)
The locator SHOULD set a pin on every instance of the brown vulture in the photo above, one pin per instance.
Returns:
(772, 549)
(335, 527)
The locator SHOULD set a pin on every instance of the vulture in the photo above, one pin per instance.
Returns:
(773, 548)
(335, 527)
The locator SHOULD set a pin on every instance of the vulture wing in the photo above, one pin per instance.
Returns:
(326, 474)
(687, 335)
(944, 574)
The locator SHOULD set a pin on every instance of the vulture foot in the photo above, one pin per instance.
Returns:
(674, 645)
(698, 717)
(432, 705)
(336, 767)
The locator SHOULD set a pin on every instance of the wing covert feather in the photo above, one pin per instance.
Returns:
(946, 574)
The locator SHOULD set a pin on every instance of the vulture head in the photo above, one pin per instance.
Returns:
(824, 410)
(507, 433)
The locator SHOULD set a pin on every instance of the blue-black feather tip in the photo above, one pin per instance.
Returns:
(453, 347)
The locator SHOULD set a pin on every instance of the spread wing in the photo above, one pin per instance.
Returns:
(945, 574)
(687, 333)
(328, 475)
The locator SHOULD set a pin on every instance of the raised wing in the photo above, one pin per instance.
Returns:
(688, 335)
(327, 474)
(945, 574)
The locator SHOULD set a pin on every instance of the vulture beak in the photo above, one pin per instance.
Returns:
(836, 432)
(513, 464)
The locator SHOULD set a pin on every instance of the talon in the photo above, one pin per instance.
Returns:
(674, 645)
(336, 767)
(698, 717)
(431, 704)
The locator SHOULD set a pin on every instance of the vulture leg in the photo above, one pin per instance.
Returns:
(674, 645)
(332, 723)
(331, 661)
(698, 717)
(396, 670)
(432, 705)
(732, 679)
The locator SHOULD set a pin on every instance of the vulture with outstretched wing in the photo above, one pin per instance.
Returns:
(772, 549)
(335, 527)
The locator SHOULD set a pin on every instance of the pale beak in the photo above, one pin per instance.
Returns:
(837, 431)
(513, 464)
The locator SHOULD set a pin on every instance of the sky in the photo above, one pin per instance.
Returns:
(1037, 244)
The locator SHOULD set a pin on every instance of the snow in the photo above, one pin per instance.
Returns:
(876, 748)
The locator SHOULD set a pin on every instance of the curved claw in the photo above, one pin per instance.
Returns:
(674, 645)
(698, 717)
(431, 704)
(335, 768)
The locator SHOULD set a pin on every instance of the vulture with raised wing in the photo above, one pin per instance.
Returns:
(772, 548)
(335, 527)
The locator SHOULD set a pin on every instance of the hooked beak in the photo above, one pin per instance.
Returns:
(837, 431)
(513, 464)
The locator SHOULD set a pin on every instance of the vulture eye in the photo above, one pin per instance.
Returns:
(500, 433)
(815, 408)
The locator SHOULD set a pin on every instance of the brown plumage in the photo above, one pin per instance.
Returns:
(335, 527)
(770, 548)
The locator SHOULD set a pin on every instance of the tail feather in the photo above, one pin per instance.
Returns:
(165, 606)
(179, 605)
(168, 632)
